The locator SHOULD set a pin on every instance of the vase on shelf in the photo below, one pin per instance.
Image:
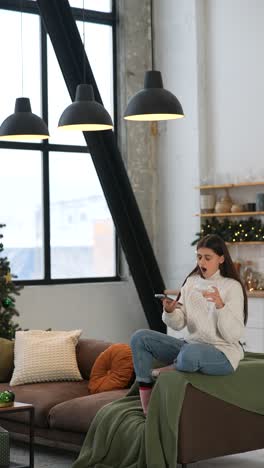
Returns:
(246, 274)
(237, 208)
(207, 202)
(224, 204)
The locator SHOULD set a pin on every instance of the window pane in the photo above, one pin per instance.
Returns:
(98, 5)
(101, 60)
(82, 231)
(99, 50)
(21, 211)
(12, 66)
(58, 100)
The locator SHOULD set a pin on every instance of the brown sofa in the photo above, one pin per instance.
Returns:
(63, 410)
(208, 427)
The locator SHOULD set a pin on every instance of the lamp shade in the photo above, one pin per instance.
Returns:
(153, 102)
(85, 114)
(23, 124)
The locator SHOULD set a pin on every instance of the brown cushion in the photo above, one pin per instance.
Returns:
(112, 370)
(87, 350)
(77, 415)
(6, 359)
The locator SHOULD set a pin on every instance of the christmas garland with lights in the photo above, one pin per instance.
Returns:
(245, 230)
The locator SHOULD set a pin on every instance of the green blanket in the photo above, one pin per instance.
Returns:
(120, 436)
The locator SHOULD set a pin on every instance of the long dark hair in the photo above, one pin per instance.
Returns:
(227, 268)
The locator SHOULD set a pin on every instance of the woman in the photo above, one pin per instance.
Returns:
(212, 304)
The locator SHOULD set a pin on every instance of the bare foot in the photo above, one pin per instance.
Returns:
(156, 372)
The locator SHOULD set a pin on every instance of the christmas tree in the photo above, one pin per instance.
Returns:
(7, 300)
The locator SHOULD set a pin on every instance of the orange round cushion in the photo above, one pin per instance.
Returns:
(113, 369)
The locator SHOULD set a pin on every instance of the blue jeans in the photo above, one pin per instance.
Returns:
(186, 357)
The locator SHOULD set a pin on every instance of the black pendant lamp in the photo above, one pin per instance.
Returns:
(153, 102)
(23, 124)
(85, 114)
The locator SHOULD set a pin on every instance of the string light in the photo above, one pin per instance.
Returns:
(247, 230)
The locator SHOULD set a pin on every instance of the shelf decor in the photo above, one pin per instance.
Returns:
(246, 230)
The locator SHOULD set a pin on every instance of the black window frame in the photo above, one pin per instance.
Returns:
(91, 16)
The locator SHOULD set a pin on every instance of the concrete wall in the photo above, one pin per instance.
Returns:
(176, 56)
(136, 139)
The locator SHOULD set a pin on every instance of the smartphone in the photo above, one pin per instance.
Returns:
(164, 296)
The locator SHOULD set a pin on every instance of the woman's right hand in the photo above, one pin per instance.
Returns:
(169, 305)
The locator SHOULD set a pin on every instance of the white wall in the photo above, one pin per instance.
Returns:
(234, 77)
(235, 67)
(104, 311)
(210, 55)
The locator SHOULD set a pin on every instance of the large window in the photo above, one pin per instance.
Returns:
(58, 225)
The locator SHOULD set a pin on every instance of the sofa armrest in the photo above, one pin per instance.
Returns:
(6, 359)
(87, 351)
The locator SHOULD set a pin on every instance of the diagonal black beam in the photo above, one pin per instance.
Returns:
(108, 163)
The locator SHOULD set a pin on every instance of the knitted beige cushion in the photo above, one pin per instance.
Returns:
(45, 356)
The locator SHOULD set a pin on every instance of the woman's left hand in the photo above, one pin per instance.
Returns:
(214, 296)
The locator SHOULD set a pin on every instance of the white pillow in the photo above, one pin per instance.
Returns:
(45, 356)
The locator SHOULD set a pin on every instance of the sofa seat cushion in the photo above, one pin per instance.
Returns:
(44, 396)
(76, 415)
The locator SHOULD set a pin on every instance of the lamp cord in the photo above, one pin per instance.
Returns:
(21, 49)
(84, 80)
(152, 34)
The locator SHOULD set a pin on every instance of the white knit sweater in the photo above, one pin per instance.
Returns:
(223, 328)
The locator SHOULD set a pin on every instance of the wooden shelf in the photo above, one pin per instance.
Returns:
(240, 213)
(246, 243)
(225, 186)
(255, 293)
(247, 214)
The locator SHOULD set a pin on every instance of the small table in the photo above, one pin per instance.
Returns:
(16, 408)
